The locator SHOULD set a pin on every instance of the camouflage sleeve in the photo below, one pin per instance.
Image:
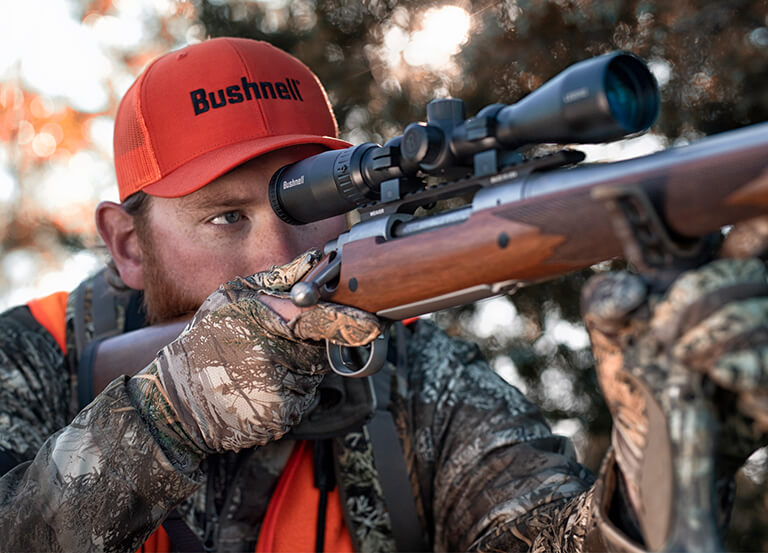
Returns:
(99, 483)
(34, 386)
(490, 473)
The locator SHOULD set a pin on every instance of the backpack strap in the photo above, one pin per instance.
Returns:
(389, 459)
(95, 312)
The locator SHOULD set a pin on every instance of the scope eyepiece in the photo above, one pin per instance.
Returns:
(321, 186)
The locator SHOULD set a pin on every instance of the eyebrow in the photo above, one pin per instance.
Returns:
(212, 201)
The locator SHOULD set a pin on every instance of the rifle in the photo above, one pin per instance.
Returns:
(532, 218)
(528, 218)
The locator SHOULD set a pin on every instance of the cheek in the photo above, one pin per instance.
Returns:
(195, 270)
(316, 235)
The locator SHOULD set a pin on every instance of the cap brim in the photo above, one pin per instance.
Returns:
(200, 171)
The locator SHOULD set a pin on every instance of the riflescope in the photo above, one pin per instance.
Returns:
(597, 100)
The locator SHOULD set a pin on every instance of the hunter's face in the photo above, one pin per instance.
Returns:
(195, 243)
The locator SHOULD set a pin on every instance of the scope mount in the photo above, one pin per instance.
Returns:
(396, 197)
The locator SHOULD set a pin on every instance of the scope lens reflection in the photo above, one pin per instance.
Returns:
(623, 97)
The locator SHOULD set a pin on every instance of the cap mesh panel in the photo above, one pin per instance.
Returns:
(135, 162)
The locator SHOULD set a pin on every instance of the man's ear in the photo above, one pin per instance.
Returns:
(118, 231)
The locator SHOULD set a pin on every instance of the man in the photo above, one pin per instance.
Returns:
(203, 426)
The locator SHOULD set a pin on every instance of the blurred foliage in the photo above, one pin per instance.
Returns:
(711, 59)
(715, 53)
(44, 138)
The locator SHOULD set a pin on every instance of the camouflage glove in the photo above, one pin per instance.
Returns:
(713, 321)
(239, 375)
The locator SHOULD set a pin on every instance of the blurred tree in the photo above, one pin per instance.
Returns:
(383, 60)
(711, 58)
(63, 68)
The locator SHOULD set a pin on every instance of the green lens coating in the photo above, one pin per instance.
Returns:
(623, 98)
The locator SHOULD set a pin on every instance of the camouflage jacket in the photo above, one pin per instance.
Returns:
(486, 471)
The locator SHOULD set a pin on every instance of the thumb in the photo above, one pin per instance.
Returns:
(608, 299)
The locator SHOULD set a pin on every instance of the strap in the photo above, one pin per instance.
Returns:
(389, 457)
(85, 374)
(96, 308)
(182, 537)
(77, 299)
(104, 318)
(325, 481)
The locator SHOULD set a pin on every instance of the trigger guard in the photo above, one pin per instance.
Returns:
(377, 356)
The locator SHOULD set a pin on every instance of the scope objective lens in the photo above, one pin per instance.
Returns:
(631, 93)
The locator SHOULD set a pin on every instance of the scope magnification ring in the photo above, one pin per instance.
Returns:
(342, 172)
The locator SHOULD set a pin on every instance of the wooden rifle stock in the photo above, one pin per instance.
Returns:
(546, 224)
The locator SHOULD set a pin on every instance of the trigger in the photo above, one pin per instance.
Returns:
(357, 362)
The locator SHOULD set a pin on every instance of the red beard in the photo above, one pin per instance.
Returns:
(164, 300)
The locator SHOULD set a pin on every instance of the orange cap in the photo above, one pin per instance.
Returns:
(196, 113)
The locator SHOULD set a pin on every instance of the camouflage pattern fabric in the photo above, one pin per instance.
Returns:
(34, 385)
(238, 375)
(485, 470)
(482, 457)
(487, 473)
(482, 461)
(657, 358)
(361, 493)
(100, 483)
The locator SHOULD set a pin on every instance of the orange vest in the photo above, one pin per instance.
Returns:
(291, 518)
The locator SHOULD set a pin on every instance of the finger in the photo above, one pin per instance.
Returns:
(742, 371)
(747, 239)
(279, 278)
(282, 277)
(697, 293)
(608, 299)
(739, 325)
(340, 324)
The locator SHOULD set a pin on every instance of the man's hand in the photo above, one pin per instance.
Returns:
(713, 321)
(240, 375)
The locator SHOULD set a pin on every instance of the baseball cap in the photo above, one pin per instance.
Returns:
(196, 113)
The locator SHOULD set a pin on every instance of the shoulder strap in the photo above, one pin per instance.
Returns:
(95, 311)
(390, 460)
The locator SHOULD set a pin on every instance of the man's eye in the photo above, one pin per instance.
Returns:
(228, 218)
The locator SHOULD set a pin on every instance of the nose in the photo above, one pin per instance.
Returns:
(275, 242)
(300, 238)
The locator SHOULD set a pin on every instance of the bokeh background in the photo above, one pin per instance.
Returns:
(64, 64)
